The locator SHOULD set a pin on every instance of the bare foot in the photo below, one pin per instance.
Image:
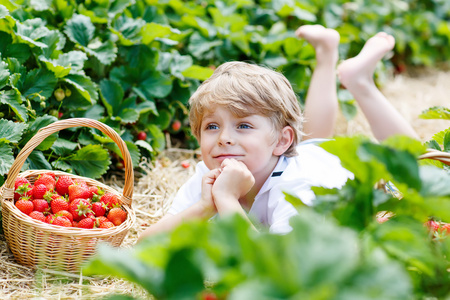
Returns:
(358, 71)
(324, 40)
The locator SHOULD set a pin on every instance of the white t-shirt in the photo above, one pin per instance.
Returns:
(313, 166)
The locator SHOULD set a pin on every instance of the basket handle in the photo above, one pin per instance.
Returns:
(441, 156)
(67, 123)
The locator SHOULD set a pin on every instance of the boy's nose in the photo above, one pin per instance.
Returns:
(225, 138)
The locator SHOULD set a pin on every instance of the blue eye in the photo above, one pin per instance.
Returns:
(244, 126)
(211, 127)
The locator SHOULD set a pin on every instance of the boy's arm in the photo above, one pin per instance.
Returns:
(233, 183)
(203, 209)
(170, 222)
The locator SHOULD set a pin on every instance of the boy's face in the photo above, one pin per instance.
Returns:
(247, 139)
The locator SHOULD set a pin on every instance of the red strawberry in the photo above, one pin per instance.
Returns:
(86, 223)
(110, 200)
(49, 218)
(67, 214)
(62, 221)
(432, 225)
(62, 185)
(80, 181)
(74, 224)
(37, 215)
(46, 180)
(39, 191)
(20, 181)
(117, 216)
(106, 225)
(25, 189)
(78, 191)
(59, 204)
(99, 208)
(40, 205)
(446, 228)
(25, 205)
(79, 208)
(52, 174)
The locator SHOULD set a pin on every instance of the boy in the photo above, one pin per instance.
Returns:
(248, 123)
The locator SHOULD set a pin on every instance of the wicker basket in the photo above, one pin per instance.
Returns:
(38, 244)
(441, 156)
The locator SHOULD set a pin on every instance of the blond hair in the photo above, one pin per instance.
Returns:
(247, 89)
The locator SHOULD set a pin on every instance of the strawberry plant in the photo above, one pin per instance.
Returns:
(133, 64)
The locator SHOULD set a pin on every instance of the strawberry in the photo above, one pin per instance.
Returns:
(62, 221)
(110, 200)
(59, 204)
(101, 219)
(52, 174)
(117, 216)
(432, 225)
(74, 224)
(106, 225)
(46, 180)
(66, 214)
(80, 181)
(185, 164)
(446, 228)
(23, 190)
(41, 205)
(99, 208)
(79, 208)
(20, 181)
(78, 191)
(37, 215)
(49, 218)
(87, 223)
(62, 185)
(39, 191)
(25, 205)
(142, 136)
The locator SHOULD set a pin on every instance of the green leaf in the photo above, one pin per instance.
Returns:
(105, 52)
(112, 95)
(157, 85)
(85, 86)
(128, 115)
(158, 141)
(37, 124)
(80, 29)
(36, 161)
(145, 145)
(91, 161)
(135, 154)
(184, 279)
(13, 99)
(122, 264)
(198, 72)
(10, 131)
(63, 147)
(31, 31)
(6, 157)
(435, 182)
(199, 46)
(4, 74)
(73, 59)
(153, 30)
(7, 49)
(401, 164)
(436, 112)
(58, 71)
(39, 82)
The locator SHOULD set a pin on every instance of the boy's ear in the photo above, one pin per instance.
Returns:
(285, 140)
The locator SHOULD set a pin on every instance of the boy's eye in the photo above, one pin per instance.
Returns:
(211, 126)
(244, 126)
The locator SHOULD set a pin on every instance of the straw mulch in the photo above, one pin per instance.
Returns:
(156, 185)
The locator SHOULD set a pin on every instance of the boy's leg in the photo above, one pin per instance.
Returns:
(356, 74)
(321, 105)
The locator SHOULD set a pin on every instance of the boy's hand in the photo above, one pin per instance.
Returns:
(207, 183)
(234, 182)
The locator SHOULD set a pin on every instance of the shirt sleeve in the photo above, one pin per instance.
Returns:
(190, 192)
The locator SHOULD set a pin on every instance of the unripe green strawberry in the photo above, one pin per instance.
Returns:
(68, 93)
(59, 94)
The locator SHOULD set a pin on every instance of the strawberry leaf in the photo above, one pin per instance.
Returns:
(13, 99)
(436, 112)
(91, 161)
(6, 157)
(10, 131)
(80, 30)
